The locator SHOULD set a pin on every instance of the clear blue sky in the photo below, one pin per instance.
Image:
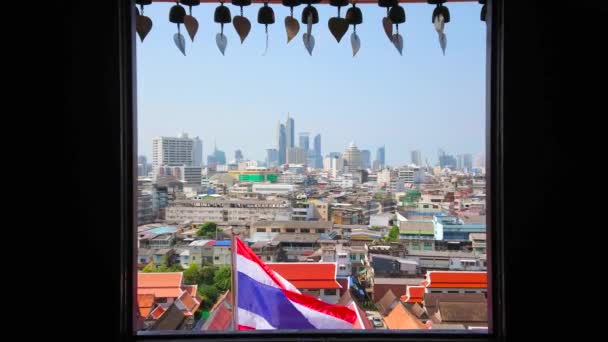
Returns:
(421, 100)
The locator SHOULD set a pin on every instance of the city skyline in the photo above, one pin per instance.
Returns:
(421, 100)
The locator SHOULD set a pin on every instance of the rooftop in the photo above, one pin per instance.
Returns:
(293, 224)
(308, 275)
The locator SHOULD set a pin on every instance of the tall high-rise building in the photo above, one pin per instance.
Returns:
(281, 144)
(272, 157)
(217, 158)
(142, 166)
(304, 142)
(197, 152)
(289, 132)
(366, 159)
(238, 155)
(317, 152)
(447, 161)
(417, 158)
(381, 157)
(464, 161)
(172, 151)
(352, 157)
(296, 155)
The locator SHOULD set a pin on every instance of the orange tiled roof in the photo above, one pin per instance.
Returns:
(145, 303)
(400, 318)
(456, 279)
(308, 275)
(158, 312)
(191, 289)
(162, 285)
(413, 294)
(190, 303)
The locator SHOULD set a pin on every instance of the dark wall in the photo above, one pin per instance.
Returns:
(551, 56)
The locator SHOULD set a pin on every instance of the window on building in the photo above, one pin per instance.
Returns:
(261, 230)
(275, 230)
(290, 230)
(329, 292)
(304, 230)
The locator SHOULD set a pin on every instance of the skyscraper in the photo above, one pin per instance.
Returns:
(464, 161)
(197, 152)
(272, 157)
(366, 159)
(172, 151)
(317, 152)
(417, 158)
(380, 157)
(304, 142)
(289, 132)
(238, 155)
(281, 144)
(296, 155)
(352, 157)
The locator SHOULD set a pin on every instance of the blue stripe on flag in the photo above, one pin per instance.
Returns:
(271, 303)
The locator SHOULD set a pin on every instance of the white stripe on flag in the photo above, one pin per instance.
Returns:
(252, 320)
(255, 272)
(321, 320)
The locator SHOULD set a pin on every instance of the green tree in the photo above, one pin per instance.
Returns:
(210, 294)
(206, 275)
(393, 234)
(207, 229)
(150, 267)
(222, 278)
(192, 274)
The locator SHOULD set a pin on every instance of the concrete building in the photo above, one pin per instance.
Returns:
(297, 155)
(197, 152)
(302, 211)
(417, 158)
(273, 189)
(173, 151)
(227, 211)
(380, 157)
(366, 159)
(352, 157)
(268, 230)
(221, 253)
(320, 209)
(272, 157)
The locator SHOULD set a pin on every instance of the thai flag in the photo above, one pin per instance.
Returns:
(265, 300)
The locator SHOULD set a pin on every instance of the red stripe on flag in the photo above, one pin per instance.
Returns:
(244, 327)
(243, 250)
(342, 312)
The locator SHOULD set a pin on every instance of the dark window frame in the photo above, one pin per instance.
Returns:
(127, 115)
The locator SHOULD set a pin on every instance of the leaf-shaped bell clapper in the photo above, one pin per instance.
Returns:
(240, 22)
(143, 24)
(266, 17)
(189, 21)
(310, 16)
(354, 17)
(482, 15)
(292, 27)
(221, 16)
(337, 25)
(176, 16)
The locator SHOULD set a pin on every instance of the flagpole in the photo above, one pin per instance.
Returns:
(233, 290)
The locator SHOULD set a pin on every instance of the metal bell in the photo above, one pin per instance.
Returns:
(222, 15)
(265, 15)
(176, 15)
(443, 11)
(311, 10)
(397, 15)
(354, 16)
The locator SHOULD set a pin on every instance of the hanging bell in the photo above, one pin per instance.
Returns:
(222, 15)
(176, 15)
(443, 11)
(397, 15)
(354, 15)
(266, 15)
(310, 2)
(482, 15)
(310, 10)
(388, 3)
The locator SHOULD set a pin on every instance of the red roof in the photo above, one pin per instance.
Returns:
(159, 311)
(413, 294)
(456, 279)
(190, 303)
(145, 303)
(309, 275)
(161, 285)
(220, 316)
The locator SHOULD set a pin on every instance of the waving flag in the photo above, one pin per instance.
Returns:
(265, 300)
